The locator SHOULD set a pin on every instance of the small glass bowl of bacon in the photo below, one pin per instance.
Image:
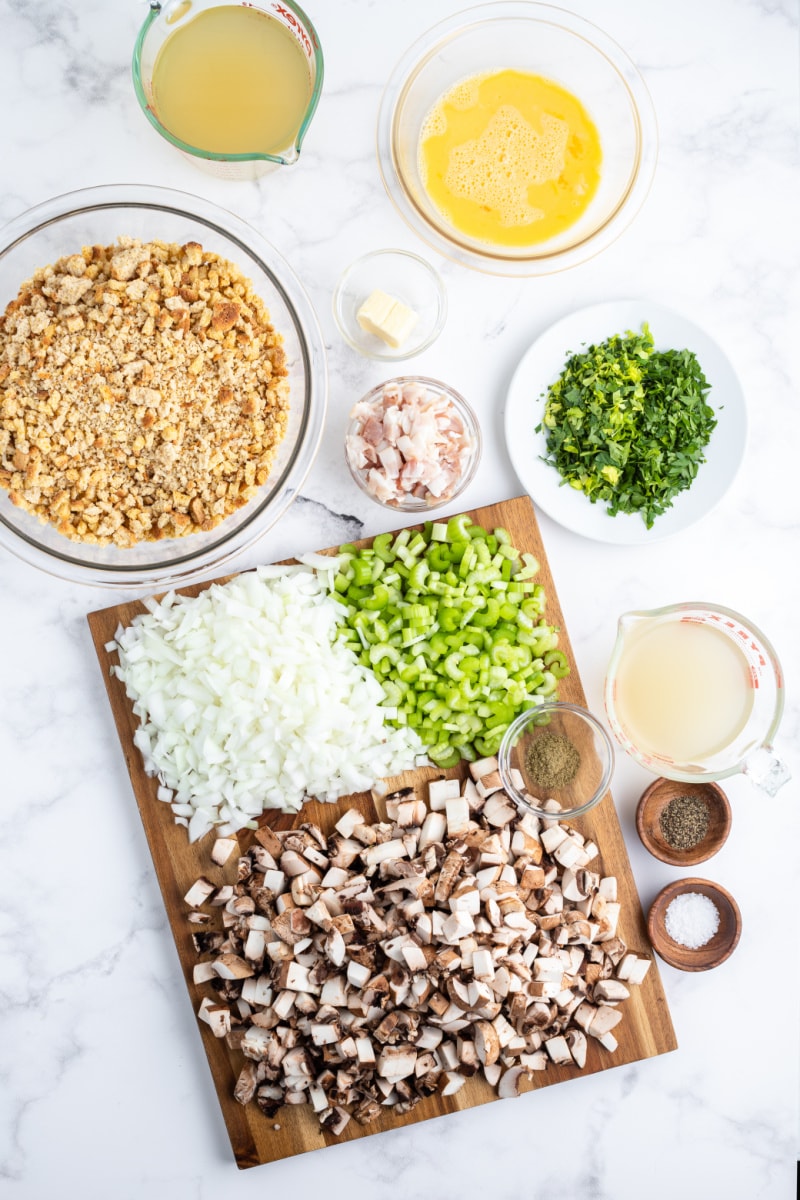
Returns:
(413, 443)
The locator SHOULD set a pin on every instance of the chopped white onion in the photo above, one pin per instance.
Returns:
(247, 701)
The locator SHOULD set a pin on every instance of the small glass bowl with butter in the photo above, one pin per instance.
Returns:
(390, 305)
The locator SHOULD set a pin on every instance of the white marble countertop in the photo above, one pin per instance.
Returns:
(104, 1089)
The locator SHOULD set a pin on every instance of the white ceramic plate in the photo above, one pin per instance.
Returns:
(544, 362)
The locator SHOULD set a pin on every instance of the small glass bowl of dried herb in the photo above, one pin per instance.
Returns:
(683, 823)
(556, 752)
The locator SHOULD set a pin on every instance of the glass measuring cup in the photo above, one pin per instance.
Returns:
(163, 19)
(695, 661)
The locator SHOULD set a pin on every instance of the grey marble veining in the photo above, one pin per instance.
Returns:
(104, 1089)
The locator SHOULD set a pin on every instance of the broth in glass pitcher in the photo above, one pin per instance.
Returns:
(232, 79)
(695, 691)
(234, 86)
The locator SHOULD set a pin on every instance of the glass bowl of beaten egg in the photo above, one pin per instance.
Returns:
(517, 138)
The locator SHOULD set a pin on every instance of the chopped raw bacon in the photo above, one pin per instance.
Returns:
(409, 441)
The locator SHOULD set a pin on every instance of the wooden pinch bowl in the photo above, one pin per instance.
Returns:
(655, 799)
(715, 951)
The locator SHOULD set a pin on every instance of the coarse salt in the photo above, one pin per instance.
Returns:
(691, 920)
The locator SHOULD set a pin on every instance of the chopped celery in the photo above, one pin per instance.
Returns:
(458, 528)
(449, 619)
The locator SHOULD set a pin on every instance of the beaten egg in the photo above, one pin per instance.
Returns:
(510, 158)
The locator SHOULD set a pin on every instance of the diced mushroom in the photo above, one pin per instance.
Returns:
(295, 978)
(231, 966)
(414, 956)
(552, 837)
(498, 809)
(633, 969)
(442, 790)
(452, 1083)
(433, 830)
(576, 1040)
(487, 1042)
(482, 767)
(396, 1062)
(256, 1043)
(349, 821)
(457, 814)
(472, 796)
(334, 991)
(511, 1082)
(397, 958)
(483, 965)
(384, 852)
(199, 892)
(246, 1083)
(611, 989)
(608, 922)
(535, 1061)
(451, 868)
(222, 850)
(291, 926)
(568, 852)
(334, 1119)
(603, 1020)
(202, 972)
(492, 1073)
(488, 783)
(254, 946)
(558, 1049)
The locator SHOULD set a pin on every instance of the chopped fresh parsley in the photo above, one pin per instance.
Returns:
(627, 424)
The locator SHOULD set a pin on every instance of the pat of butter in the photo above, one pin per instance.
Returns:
(387, 318)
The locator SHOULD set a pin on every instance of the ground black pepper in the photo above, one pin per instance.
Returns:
(684, 822)
(552, 761)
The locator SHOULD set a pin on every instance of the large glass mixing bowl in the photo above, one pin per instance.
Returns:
(98, 216)
(541, 40)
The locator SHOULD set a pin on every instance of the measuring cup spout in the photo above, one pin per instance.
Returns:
(766, 772)
(625, 627)
(636, 617)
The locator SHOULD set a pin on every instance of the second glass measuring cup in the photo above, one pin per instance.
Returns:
(696, 691)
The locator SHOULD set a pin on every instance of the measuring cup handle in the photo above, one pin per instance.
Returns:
(766, 771)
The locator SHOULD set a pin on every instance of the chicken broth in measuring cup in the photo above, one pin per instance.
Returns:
(683, 691)
(232, 80)
(696, 691)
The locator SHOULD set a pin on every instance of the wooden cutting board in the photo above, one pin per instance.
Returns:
(646, 1028)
